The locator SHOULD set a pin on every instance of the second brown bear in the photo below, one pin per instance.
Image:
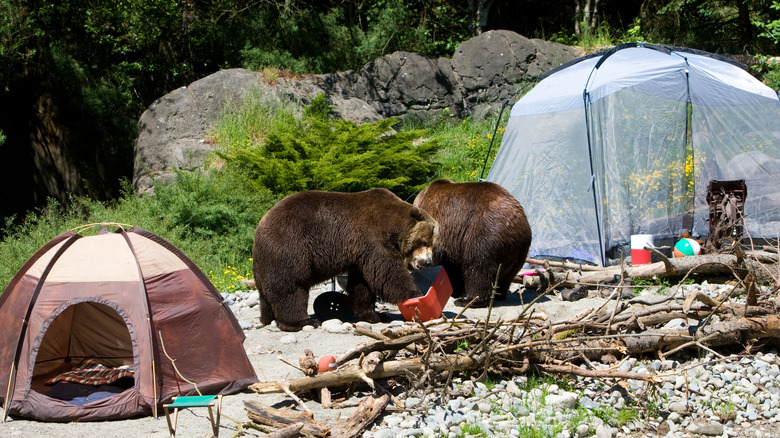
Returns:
(481, 227)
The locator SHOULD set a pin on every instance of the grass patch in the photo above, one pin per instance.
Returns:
(662, 285)
(726, 411)
(531, 432)
(616, 417)
(464, 146)
(472, 429)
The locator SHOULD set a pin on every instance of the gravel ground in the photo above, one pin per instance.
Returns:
(734, 395)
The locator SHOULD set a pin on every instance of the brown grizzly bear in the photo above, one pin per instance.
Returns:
(309, 237)
(481, 226)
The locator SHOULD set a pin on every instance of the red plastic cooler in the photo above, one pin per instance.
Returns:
(431, 305)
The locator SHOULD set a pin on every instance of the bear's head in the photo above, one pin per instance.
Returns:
(421, 240)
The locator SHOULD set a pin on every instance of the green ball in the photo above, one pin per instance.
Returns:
(687, 247)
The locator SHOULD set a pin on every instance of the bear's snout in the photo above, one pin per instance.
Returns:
(422, 257)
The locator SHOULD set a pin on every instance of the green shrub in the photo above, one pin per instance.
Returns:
(331, 154)
(211, 216)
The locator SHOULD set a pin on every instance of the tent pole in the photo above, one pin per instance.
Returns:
(154, 386)
(602, 253)
(688, 216)
(11, 378)
(487, 156)
(149, 320)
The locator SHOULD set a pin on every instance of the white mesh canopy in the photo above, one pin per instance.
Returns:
(626, 142)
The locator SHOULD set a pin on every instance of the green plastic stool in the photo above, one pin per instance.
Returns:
(213, 402)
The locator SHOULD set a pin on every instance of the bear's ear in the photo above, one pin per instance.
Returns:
(418, 214)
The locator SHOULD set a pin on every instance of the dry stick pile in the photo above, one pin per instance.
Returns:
(428, 354)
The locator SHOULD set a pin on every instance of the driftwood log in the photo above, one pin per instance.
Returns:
(763, 265)
(282, 419)
(354, 374)
(361, 418)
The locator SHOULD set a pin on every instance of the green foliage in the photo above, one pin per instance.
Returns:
(770, 69)
(229, 279)
(602, 36)
(328, 154)
(306, 37)
(769, 26)
(256, 58)
(714, 25)
(215, 213)
(616, 417)
(661, 285)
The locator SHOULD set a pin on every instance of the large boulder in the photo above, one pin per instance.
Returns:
(484, 72)
(172, 132)
(492, 66)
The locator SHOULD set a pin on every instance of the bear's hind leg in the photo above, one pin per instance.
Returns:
(266, 310)
(292, 311)
(361, 298)
(478, 282)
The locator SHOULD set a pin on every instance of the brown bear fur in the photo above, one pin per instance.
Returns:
(481, 226)
(312, 236)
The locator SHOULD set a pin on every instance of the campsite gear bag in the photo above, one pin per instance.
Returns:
(110, 312)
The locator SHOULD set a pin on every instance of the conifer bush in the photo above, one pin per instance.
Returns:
(337, 155)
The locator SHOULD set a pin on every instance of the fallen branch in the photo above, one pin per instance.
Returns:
(361, 418)
(354, 374)
(278, 418)
(599, 374)
(708, 264)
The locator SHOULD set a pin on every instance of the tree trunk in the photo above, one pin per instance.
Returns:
(745, 26)
(479, 10)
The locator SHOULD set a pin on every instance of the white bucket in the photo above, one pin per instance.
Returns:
(638, 254)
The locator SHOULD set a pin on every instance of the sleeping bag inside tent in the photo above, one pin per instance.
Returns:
(91, 324)
(626, 141)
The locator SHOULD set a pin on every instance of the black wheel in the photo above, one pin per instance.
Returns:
(332, 305)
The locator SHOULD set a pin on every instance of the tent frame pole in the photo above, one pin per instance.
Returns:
(490, 148)
(11, 378)
(149, 319)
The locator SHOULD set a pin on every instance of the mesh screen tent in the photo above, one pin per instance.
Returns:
(626, 142)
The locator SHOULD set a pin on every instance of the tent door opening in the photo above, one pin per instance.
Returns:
(84, 353)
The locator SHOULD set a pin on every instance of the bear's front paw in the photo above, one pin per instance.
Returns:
(370, 317)
(479, 303)
(297, 326)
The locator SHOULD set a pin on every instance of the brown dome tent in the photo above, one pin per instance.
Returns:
(92, 325)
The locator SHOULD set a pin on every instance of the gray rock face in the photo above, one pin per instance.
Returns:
(171, 132)
(483, 72)
(398, 84)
